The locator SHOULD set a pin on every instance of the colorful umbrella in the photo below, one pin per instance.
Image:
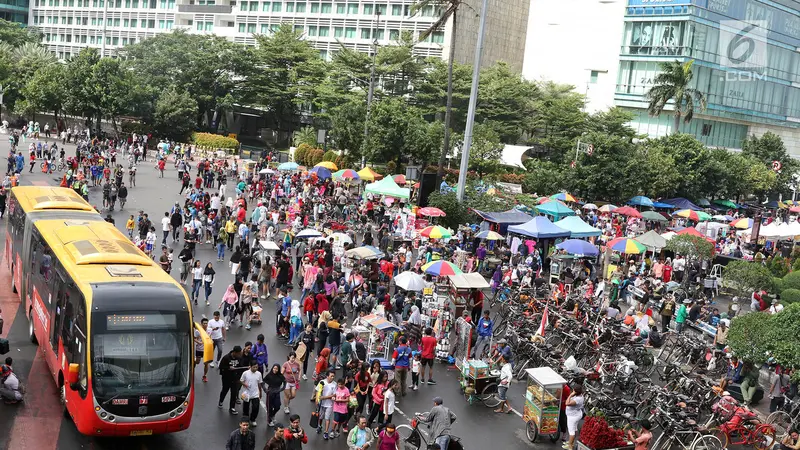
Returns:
(693, 232)
(346, 174)
(322, 172)
(441, 268)
(399, 179)
(628, 211)
(368, 174)
(722, 217)
(328, 165)
(435, 232)
(490, 235)
(563, 196)
(627, 245)
(578, 247)
(430, 211)
(288, 166)
(365, 252)
(697, 216)
(607, 208)
(590, 206)
(742, 224)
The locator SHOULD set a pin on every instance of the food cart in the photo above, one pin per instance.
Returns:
(460, 288)
(542, 403)
(380, 336)
(558, 264)
(478, 383)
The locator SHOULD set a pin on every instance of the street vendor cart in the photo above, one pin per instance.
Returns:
(461, 287)
(380, 334)
(478, 383)
(542, 403)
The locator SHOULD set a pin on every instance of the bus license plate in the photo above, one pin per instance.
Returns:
(142, 433)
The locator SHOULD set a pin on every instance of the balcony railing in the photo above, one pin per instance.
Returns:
(205, 9)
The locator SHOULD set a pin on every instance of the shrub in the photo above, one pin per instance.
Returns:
(314, 157)
(330, 155)
(214, 141)
(791, 281)
(515, 178)
(391, 166)
(789, 296)
(744, 277)
(300, 153)
(778, 266)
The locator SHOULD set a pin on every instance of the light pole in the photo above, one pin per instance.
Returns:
(473, 101)
(105, 28)
(371, 90)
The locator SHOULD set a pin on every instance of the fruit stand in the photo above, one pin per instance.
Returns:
(542, 403)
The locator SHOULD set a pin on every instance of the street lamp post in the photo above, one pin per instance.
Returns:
(371, 90)
(473, 101)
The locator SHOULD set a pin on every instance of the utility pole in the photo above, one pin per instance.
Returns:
(371, 90)
(473, 101)
(105, 27)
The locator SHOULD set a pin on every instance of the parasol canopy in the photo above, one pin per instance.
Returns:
(726, 203)
(410, 281)
(641, 200)
(563, 196)
(742, 224)
(435, 232)
(628, 211)
(578, 228)
(652, 239)
(441, 268)
(590, 206)
(703, 202)
(399, 179)
(266, 171)
(364, 252)
(578, 247)
(288, 166)
(346, 174)
(322, 172)
(330, 165)
(367, 174)
(627, 245)
(386, 187)
(607, 208)
(490, 235)
(556, 209)
(654, 216)
(430, 211)
(697, 216)
(308, 233)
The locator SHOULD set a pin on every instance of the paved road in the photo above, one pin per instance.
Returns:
(39, 425)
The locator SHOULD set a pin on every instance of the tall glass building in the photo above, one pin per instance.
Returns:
(14, 10)
(746, 61)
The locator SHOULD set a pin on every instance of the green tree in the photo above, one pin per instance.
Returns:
(558, 121)
(784, 336)
(174, 115)
(505, 99)
(749, 336)
(389, 122)
(701, 175)
(16, 34)
(486, 150)
(746, 277)
(767, 149)
(287, 70)
(692, 247)
(45, 90)
(305, 135)
(397, 66)
(347, 127)
(674, 84)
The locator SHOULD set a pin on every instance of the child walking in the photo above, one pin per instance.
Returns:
(416, 363)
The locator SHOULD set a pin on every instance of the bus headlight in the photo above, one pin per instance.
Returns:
(111, 418)
(180, 410)
(103, 415)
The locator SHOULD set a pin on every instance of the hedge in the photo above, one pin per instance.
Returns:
(789, 296)
(214, 141)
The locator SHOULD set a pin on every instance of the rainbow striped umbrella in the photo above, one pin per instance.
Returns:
(742, 224)
(435, 232)
(563, 196)
(490, 235)
(628, 246)
(346, 174)
(607, 208)
(697, 216)
(441, 268)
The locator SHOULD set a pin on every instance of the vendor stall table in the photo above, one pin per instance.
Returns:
(542, 403)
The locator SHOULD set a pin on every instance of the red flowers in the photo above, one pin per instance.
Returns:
(597, 435)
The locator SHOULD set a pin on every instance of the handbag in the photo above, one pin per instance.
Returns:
(314, 421)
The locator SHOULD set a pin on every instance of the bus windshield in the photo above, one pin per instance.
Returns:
(139, 354)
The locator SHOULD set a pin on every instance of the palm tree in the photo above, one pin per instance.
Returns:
(673, 84)
(450, 8)
(305, 135)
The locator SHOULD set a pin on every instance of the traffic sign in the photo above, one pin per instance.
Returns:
(776, 166)
(590, 150)
(572, 164)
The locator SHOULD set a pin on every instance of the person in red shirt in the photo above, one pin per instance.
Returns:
(308, 308)
(241, 214)
(322, 303)
(198, 182)
(294, 432)
(427, 351)
(161, 165)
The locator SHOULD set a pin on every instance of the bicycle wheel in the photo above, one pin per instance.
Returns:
(531, 431)
(521, 373)
(721, 435)
(406, 434)
(707, 442)
(489, 396)
(764, 437)
(781, 421)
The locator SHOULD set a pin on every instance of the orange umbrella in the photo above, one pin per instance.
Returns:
(367, 174)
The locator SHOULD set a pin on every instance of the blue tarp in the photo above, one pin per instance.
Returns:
(682, 203)
(510, 217)
(540, 227)
(663, 205)
(578, 228)
(640, 200)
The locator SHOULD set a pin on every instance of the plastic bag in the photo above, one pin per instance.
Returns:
(571, 364)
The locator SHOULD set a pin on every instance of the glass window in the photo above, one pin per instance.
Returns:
(352, 8)
(116, 21)
(251, 28)
(126, 23)
(324, 31)
(253, 6)
(397, 10)
(381, 9)
(209, 26)
(323, 54)
(315, 7)
(114, 41)
(378, 34)
(369, 10)
(437, 37)
(394, 35)
(151, 23)
(276, 6)
(365, 32)
(350, 33)
(133, 23)
(265, 6)
(427, 11)
(274, 27)
(338, 32)
(312, 30)
(300, 7)
(340, 8)
(327, 8)
(243, 6)
(135, 4)
(264, 28)
(241, 28)
(170, 24)
(162, 24)
(593, 76)
(290, 7)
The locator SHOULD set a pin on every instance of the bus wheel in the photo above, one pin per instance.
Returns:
(31, 330)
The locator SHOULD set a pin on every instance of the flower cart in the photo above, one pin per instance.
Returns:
(542, 403)
(596, 434)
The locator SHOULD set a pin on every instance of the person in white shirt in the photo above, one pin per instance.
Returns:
(165, 227)
(9, 384)
(505, 383)
(776, 307)
(678, 266)
(216, 203)
(216, 331)
(325, 401)
(252, 381)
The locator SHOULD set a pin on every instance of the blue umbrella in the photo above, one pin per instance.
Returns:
(322, 172)
(288, 166)
(641, 200)
(578, 247)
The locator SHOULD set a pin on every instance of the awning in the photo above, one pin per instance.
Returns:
(387, 187)
(540, 227)
(510, 217)
(578, 227)
(682, 203)
(514, 155)
(472, 280)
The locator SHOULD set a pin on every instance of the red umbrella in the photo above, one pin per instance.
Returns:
(628, 211)
(693, 232)
(430, 211)
(399, 179)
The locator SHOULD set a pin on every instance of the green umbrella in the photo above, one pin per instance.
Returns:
(726, 203)
(652, 215)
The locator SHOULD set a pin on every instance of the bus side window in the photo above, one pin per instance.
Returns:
(75, 324)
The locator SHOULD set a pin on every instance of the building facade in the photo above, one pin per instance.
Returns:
(14, 10)
(746, 62)
(506, 27)
(70, 25)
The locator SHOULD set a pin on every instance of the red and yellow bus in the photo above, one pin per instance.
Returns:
(115, 330)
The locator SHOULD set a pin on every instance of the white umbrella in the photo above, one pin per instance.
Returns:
(365, 252)
(590, 206)
(266, 171)
(269, 245)
(410, 281)
(669, 235)
(308, 233)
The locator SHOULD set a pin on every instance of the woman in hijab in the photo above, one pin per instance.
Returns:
(228, 303)
(414, 325)
(322, 330)
(296, 322)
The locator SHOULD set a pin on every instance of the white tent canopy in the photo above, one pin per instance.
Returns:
(514, 155)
